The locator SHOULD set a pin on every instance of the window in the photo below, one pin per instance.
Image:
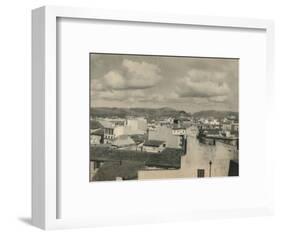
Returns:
(200, 173)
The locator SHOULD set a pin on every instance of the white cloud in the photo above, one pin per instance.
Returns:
(193, 83)
(142, 74)
(115, 80)
(132, 75)
(206, 75)
(96, 85)
(160, 97)
(120, 95)
(188, 87)
(218, 99)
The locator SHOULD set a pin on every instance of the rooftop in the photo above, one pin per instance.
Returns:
(178, 128)
(95, 124)
(127, 170)
(106, 124)
(98, 132)
(168, 158)
(122, 141)
(153, 143)
(138, 138)
(212, 131)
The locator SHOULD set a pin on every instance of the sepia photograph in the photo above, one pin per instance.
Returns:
(163, 117)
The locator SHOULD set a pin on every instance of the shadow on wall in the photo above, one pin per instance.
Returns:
(233, 168)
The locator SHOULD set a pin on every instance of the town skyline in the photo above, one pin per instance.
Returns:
(165, 107)
(191, 84)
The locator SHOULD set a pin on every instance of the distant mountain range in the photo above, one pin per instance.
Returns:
(156, 113)
(149, 113)
(215, 114)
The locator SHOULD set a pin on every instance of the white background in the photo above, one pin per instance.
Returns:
(147, 200)
(15, 90)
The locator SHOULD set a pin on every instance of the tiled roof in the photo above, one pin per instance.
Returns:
(169, 157)
(153, 143)
(175, 127)
(212, 131)
(127, 170)
(95, 124)
(99, 132)
(106, 124)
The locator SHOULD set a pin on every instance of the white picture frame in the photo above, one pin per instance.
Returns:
(45, 186)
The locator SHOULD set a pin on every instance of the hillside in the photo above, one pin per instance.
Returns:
(215, 114)
(149, 113)
(157, 113)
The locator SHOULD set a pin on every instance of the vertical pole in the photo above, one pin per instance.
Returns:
(210, 170)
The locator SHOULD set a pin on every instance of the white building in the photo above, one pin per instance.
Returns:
(165, 134)
(155, 146)
(214, 122)
(95, 139)
(179, 131)
(135, 126)
(118, 130)
(124, 142)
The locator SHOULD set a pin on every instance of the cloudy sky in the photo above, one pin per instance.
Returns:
(185, 83)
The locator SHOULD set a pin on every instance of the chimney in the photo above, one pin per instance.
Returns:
(147, 134)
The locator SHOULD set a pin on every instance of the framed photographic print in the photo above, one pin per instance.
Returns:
(140, 118)
(159, 117)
